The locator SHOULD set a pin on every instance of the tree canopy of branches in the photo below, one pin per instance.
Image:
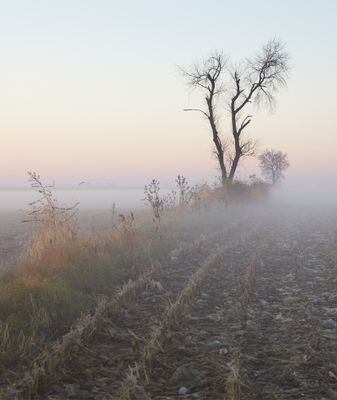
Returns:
(255, 80)
(273, 164)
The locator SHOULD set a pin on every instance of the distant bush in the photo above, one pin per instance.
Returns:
(186, 197)
(232, 193)
(247, 192)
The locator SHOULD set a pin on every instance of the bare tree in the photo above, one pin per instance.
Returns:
(207, 77)
(273, 164)
(255, 80)
(261, 78)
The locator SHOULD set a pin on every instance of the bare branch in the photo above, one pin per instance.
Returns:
(246, 121)
(207, 73)
(263, 76)
(248, 148)
(198, 110)
(207, 76)
(257, 79)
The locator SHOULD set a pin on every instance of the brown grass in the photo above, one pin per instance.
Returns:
(233, 384)
(66, 272)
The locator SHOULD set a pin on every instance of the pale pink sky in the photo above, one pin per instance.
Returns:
(92, 93)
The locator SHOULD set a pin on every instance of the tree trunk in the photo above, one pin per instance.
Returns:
(222, 168)
(217, 140)
(234, 166)
(236, 136)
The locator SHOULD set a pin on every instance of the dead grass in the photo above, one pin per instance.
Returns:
(45, 366)
(233, 384)
(65, 272)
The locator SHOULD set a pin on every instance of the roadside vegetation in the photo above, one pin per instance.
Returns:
(65, 272)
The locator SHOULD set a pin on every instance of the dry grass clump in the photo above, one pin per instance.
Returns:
(249, 279)
(60, 276)
(247, 285)
(55, 226)
(233, 384)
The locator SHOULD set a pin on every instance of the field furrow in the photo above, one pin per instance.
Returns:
(99, 367)
(248, 313)
(283, 354)
(195, 360)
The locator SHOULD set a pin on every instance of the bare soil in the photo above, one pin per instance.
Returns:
(261, 324)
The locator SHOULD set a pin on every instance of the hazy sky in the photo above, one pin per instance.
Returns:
(89, 90)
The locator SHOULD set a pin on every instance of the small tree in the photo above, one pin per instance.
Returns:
(273, 164)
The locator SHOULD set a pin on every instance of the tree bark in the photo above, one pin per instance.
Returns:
(216, 139)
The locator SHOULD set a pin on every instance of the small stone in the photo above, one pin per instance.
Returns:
(214, 317)
(332, 375)
(180, 375)
(290, 300)
(183, 390)
(214, 343)
(331, 311)
(223, 351)
(155, 285)
(70, 389)
(195, 371)
(275, 338)
(329, 324)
